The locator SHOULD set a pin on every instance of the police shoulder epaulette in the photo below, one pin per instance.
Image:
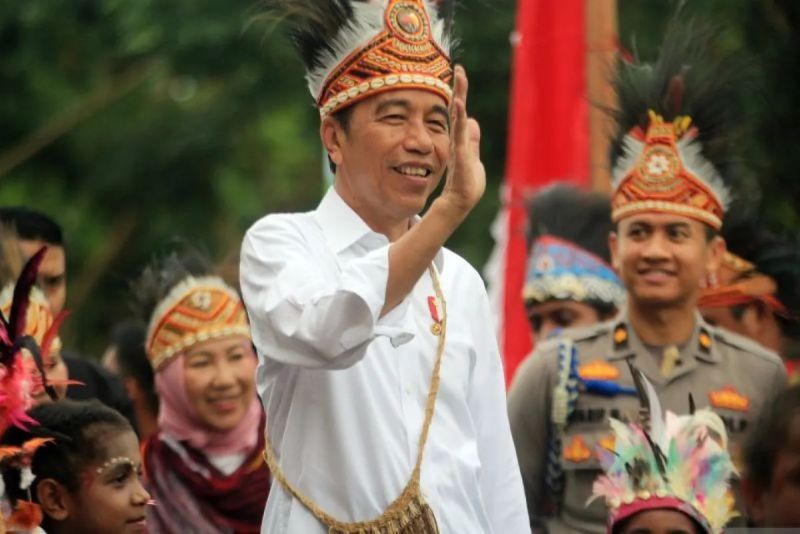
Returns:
(744, 345)
(586, 333)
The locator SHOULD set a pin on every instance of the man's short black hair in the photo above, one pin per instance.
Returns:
(343, 118)
(770, 435)
(32, 225)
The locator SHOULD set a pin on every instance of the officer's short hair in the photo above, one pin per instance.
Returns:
(770, 435)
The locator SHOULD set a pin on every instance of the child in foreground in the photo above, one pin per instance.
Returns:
(667, 473)
(76, 471)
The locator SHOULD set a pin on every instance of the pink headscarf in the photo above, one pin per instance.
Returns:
(177, 418)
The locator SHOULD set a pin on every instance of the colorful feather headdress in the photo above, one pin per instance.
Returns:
(26, 324)
(353, 49)
(668, 462)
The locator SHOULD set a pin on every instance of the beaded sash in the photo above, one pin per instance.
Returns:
(409, 513)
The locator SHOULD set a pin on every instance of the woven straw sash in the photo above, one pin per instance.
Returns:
(409, 513)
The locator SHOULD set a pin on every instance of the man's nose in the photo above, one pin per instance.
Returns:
(656, 247)
(418, 138)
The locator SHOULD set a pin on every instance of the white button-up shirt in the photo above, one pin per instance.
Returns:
(345, 390)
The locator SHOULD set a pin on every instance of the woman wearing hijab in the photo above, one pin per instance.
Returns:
(203, 467)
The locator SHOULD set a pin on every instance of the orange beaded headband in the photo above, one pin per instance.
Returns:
(195, 310)
(407, 52)
(663, 170)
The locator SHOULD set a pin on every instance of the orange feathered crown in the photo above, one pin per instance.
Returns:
(195, 310)
(663, 170)
(737, 281)
(383, 46)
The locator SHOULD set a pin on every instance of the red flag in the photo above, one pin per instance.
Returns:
(548, 140)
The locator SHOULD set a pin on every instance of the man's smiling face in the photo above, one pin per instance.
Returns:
(392, 154)
(662, 258)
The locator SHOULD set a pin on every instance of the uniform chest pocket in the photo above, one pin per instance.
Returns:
(581, 467)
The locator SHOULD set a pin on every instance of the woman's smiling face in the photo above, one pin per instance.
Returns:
(219, 377)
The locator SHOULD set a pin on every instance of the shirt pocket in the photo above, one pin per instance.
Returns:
(579, 460)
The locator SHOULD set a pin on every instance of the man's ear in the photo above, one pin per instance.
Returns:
(54, 499)
(612, 248)
(716, 251)
(332, 136)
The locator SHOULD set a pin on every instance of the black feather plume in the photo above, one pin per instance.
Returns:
(574, 215)
(162, 274)
(689, 78)
(314, 24)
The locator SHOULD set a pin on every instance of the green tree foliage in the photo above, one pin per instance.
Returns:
(138, 123)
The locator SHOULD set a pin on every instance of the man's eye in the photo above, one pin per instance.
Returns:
(636, 233)
(564, 318)
(439, 126)
(679, 234)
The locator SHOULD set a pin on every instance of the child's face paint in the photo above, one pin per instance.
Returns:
(112, 498)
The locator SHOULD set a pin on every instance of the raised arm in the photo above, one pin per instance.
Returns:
(410, 255)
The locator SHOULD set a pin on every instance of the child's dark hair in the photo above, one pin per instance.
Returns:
(129, 338)
(76, 428)
(769, 435)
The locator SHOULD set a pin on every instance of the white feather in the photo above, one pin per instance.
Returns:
(367, 22)
(694, 161)
(657, 427)
(631, 150)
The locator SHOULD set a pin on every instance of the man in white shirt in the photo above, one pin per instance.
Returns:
(349, 303)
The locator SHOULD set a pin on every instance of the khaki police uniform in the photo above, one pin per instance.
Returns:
(729, 373)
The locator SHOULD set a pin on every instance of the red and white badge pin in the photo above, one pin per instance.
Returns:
(437, 314)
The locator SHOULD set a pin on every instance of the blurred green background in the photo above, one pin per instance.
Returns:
(138, 123)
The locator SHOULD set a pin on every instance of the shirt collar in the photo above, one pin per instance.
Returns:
(343, 227)
(626, 342)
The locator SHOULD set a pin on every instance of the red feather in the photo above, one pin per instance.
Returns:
(19, 304)
(26, 516)
(52, 332)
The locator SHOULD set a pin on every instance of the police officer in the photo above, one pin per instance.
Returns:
(670, 169)
(569, 280)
